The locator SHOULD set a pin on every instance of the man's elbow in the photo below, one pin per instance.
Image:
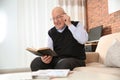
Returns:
(84, 41)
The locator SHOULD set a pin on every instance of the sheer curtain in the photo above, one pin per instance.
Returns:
(75, 9)
(32, 28)
(33, 24)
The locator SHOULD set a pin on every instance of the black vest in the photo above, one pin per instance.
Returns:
(65, 45)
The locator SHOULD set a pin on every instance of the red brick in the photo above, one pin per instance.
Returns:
(97, 14)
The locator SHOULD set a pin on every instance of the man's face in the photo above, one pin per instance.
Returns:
(58, 19)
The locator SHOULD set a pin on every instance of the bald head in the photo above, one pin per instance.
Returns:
(57, 10)
(58, 17)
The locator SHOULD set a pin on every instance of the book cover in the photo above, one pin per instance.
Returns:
(42, 51)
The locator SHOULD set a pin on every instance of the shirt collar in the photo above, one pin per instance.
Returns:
(61, 30)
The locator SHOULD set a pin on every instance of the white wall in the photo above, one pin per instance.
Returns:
(10, 54)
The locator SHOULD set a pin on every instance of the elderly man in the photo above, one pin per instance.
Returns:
(67, 39)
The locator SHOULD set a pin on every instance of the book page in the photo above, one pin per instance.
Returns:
(51, 73)
(32, 50)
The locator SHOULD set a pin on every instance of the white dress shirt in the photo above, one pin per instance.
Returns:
(78, 32)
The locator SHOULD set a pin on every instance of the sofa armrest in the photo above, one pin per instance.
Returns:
(92, 57)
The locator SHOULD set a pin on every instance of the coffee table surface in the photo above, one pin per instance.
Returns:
(80, 75)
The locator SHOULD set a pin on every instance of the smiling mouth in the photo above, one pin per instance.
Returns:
(58, 24)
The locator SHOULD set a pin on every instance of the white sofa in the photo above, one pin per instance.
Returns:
(95, 60)
(95, 67)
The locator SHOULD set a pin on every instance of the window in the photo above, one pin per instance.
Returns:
(113, 5)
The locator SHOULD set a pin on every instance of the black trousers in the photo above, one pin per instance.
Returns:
(57, 63)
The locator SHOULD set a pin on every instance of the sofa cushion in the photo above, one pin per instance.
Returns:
(113, 54)
(104, 44)
(95, 64)
(107, 70)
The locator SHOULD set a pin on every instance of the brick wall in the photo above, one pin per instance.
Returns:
(97, 14)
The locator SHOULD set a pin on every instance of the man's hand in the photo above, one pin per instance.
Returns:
(46, 59)
(67, 19)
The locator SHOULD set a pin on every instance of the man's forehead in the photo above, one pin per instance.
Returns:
(57, 10)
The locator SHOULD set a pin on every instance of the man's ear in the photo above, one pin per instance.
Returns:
(65, 20)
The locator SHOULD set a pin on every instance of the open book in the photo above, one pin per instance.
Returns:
(51, 73)
(42, 51)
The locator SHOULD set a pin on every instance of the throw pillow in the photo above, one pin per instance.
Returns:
(113, 55)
